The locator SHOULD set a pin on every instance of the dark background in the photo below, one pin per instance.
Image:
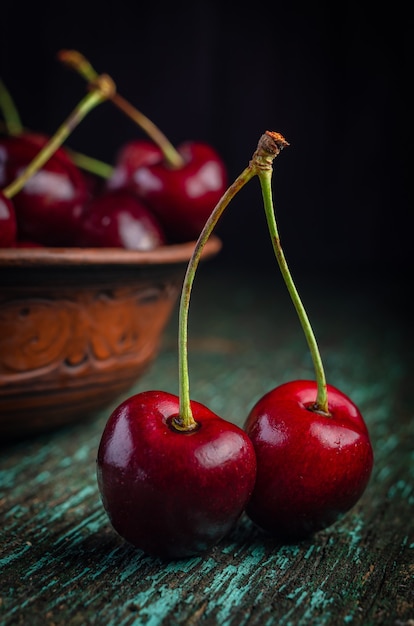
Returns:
(333, 79)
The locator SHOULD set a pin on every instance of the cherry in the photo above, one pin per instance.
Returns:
(49, 206)
(118, 218)
(181, 186)
(314, 455)
(8, 223)
(27, 140)
(312, 467)
(172, 492)
(48, 189)
(133, 155)
(183, 197)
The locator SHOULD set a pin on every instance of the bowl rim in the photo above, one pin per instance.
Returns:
(48, 256)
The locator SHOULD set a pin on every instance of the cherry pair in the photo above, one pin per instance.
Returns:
(174, 477)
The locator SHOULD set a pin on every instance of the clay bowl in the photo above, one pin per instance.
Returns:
(78, 327)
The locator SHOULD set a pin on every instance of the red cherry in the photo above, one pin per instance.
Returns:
(173, 494)
(182, 197)
(50, 204)
(39, 140)
(93, 182)
(8, 224)
(133, 155)
(311, 467)
(117, 218)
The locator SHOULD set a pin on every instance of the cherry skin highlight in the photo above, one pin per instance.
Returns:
(119, 219)
(8, 223)
(182, 198)
(131, 156)
(173, 494)
(311, 467)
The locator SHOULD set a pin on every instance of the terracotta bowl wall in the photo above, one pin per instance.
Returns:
(79, 327)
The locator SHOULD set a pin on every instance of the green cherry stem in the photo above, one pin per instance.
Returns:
(76, 61)
(101, 89)
(321, 404)
(90, 164)
(12, 125)
(11, 116)
(83, 161)
(263, 157)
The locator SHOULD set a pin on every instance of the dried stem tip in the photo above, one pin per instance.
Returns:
(269, 146)
(272, 142)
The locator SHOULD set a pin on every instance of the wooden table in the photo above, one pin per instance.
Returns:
(61, 562)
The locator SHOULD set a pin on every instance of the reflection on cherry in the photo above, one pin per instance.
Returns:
(8, 223)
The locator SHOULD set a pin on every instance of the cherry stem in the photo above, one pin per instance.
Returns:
(265, 153)
(13, 126)
(11, 116)
(101, 89)
(321, 404)
(83, 161)
(90, 164)
(76, 61)
(186, 420)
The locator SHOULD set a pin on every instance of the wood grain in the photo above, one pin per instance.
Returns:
(61, 562)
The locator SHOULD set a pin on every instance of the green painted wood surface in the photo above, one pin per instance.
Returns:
(61, 563)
